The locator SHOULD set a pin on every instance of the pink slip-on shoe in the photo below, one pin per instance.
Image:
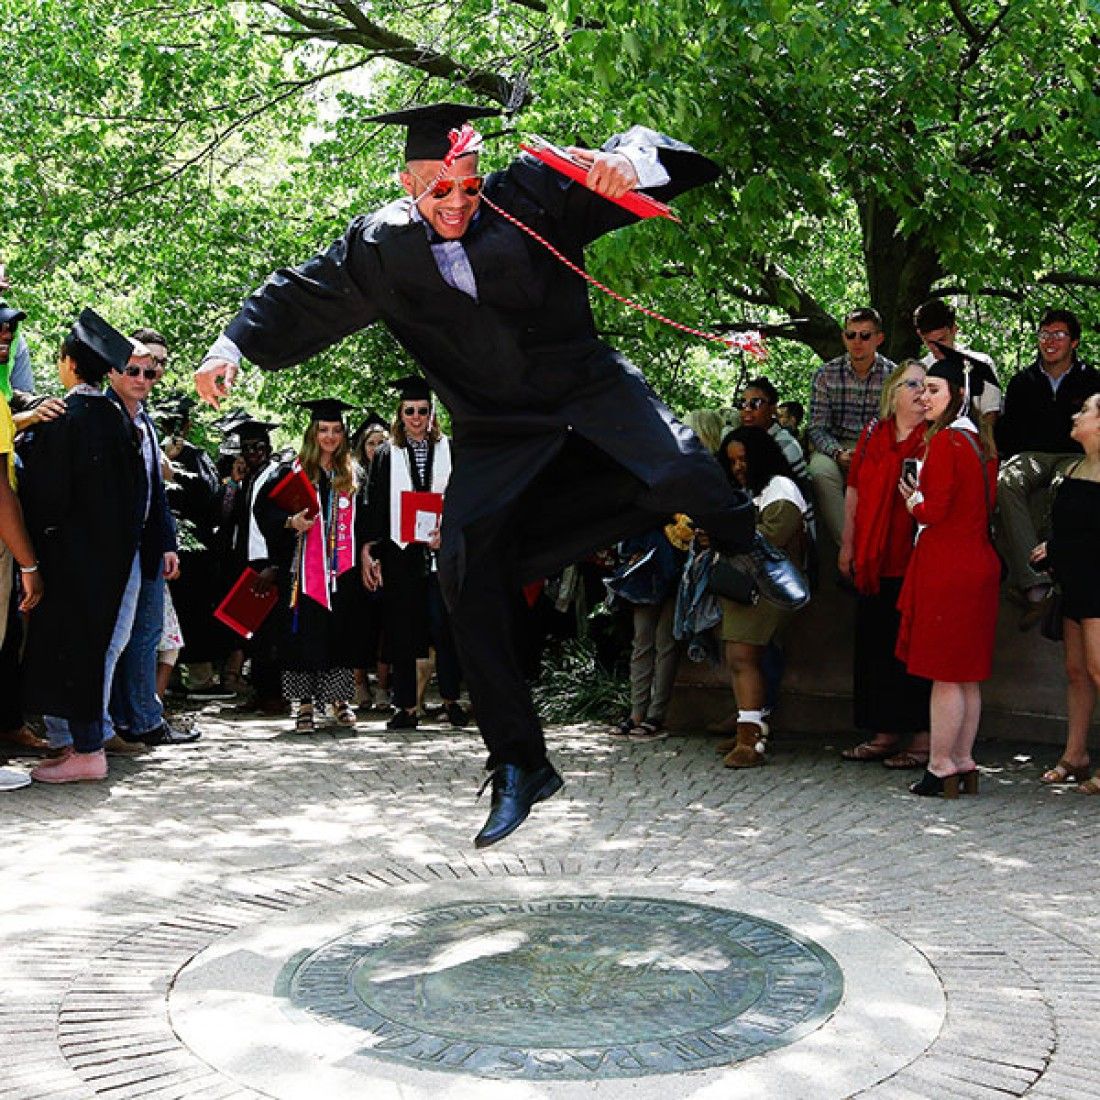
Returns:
(77, 767)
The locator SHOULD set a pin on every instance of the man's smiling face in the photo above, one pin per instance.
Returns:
(448, 214)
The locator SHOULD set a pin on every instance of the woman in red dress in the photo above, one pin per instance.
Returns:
(948, 602)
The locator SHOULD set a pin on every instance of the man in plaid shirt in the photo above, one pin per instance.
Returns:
(844, 398)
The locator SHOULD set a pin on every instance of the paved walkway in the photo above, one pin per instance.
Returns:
(111, 888)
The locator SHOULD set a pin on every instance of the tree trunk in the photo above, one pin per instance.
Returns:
(901, 271)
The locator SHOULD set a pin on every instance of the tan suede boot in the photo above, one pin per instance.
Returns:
(749, 749)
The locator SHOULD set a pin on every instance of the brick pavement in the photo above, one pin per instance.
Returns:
(112, 888)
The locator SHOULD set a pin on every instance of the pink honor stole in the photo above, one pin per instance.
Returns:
(329, 550)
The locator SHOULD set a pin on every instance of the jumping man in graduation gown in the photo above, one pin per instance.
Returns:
(559, 445)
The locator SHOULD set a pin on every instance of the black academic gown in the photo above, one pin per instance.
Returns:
(316, 639)
(193, 496)
(548, 420)
(404, 569)
(83, 491)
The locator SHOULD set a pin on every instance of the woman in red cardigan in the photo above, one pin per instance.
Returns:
(948, 602)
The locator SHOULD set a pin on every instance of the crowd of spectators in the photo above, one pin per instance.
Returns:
(120, 535)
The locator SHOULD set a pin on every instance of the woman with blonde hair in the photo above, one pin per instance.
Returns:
(888, 703)
(316, 552)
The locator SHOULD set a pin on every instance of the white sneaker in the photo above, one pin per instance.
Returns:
(12, 780)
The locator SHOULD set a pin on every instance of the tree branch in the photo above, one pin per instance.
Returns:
(358, 30)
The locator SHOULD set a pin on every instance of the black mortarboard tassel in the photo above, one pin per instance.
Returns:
(105, 342)
(326, 408)
(430, 126)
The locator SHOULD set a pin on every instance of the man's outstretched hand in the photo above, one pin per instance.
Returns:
(214, 379)
(609, 174)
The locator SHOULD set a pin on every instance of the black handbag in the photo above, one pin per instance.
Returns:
(727, 580)
(1051, 626)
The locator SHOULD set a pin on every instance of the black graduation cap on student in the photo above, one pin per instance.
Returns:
(956, 366)
(326, 408)
(413, 388)
(9, 315)
(105, 342)
(174, 412)
(250, 429)
(372, 422)
(429, 127)
(234, 416)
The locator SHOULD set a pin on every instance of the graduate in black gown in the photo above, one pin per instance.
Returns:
(560, 445)
(244, 545)
(315, 552)
(84, 493)
(417, 459)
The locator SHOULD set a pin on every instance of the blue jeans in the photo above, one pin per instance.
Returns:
(88, 736)
(135, 707)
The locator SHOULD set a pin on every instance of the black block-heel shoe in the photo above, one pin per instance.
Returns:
(935, 786)
(969, 781)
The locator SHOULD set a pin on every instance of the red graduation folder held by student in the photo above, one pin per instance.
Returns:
(421, 514)
(243, 610)
(295, 493)
(557, 158)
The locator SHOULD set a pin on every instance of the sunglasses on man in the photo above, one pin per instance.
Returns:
(150, 374)
(860, 336)
(470, 185)
(751, 404)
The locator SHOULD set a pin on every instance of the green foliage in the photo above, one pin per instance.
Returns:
(574, 688)
(160, 161)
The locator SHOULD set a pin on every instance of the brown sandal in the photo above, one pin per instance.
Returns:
(1065, 772)
(867, 752)
(1089, 786)
(900, 761)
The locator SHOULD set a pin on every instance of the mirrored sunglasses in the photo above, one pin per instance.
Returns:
(471, 186)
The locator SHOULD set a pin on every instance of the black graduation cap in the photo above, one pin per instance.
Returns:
(430, 126)
(234, 416)
(174, 412)
(249, 428)
(956, 365)
(372, 422)
(413, 388)
(9, 315)
(105, 342)
(326, 408)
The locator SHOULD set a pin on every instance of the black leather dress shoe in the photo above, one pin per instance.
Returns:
(779, 580)
(165, 734)
(515, 791)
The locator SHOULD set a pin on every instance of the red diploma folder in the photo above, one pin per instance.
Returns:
(420, 514)
(295, 493)
(243, 610)
(561, 161)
